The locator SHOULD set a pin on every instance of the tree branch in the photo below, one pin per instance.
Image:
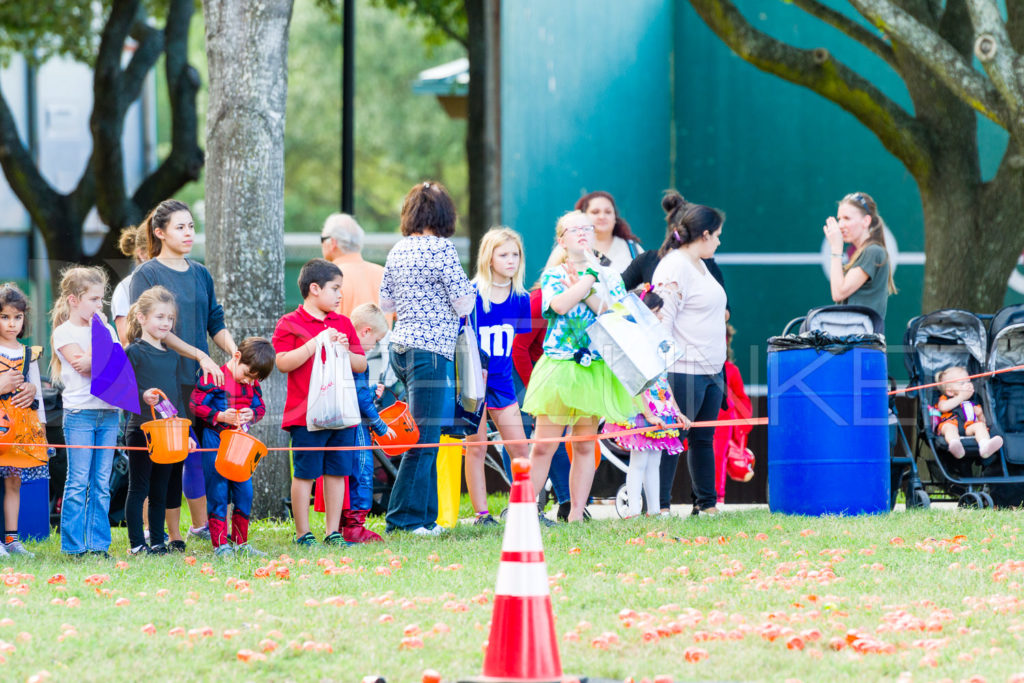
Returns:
(818, 71)
(995, 51)
(150, 47)
(851, 28)
(948, 65)
(185, 161)
(42, 202)
(107, 120)
(432, 12)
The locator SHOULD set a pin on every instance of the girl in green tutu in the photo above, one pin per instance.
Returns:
(571, 385)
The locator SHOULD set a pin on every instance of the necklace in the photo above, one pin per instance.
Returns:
(501, 286)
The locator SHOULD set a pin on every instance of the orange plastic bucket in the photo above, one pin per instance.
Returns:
(238, 455)
(398, 417)
(167, 437)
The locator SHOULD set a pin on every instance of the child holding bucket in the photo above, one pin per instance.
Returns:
(150, 320)
(20, 392)
(88, 420)
(237, 402)
(296, 340)
(371, 325)
(572, 385)
(658, 409)
(502, 311)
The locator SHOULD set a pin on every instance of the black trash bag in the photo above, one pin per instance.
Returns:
(821, 341)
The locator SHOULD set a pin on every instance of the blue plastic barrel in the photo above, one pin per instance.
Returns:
(828, 433)
(34, 511)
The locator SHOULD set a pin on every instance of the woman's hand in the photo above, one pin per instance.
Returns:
(833, 235)
(210, 370)
(685, 421)
(228, 417)
(151, 397)
(26, 394)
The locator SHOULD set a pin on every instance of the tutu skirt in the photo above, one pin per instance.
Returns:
(564, 391)
(655, 440)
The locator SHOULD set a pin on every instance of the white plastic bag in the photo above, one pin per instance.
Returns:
(469, 375)
(332, 402)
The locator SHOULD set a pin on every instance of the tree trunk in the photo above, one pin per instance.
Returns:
(247, 52)
(483, 134)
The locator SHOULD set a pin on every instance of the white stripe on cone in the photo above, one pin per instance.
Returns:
(522, 529)
(522, 579)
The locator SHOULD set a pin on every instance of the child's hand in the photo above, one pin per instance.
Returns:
(81, 363)
(192, 445)
(245, 415)
(656, 421)
(685, 421)
(380, 390)
(228, 417)
(151, 397)
(391, 433)
(26, 394)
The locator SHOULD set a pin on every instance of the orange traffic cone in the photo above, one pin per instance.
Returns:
(523, 645)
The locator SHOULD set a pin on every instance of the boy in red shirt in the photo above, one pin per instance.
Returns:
(295, 341)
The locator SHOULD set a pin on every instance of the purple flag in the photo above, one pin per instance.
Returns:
(113, 378)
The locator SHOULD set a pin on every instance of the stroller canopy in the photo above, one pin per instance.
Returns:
(1007, 347)
(943, 339)
(842, 320)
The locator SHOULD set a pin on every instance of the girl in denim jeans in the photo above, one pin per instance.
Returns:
(88, 420)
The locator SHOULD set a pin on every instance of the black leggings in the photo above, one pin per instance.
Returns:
(149, 479)
(700, 399)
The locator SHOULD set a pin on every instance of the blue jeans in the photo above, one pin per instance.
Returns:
(84, 521)
(221, 491)
(430, 388)
(559, 471)
(360, 491)
(700, 399)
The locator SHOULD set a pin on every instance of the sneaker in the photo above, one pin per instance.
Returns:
(176, 546)
(485, 520)
(158, 549)
(436, 530)
(545, 521)
(335, 538)
(16, 548)
(307, 539)
(202, 532)
(563, 511)
(246, 549)
(146, 534)
(225, 551)
(100, 553)
(3, 551)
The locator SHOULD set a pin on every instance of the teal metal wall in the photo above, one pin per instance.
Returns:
(639, 96)
(586, 105)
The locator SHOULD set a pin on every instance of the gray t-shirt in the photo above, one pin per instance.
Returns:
(874, 293)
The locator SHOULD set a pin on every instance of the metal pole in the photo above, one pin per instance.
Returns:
(348, 88)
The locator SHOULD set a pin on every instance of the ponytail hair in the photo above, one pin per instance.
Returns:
(74, 282)
(686, 222)
(144, 306)
(865, 204)
(158, 219)
(559, 255)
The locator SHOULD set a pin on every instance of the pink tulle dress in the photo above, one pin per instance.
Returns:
(658, 398)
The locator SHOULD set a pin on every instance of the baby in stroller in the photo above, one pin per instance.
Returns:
(959, 416)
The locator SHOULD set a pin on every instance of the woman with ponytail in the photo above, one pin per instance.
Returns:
(694, 313)
(866, 279)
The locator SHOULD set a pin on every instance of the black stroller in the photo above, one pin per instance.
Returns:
(951, 337)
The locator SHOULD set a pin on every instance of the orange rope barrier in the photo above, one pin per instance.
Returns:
(754, 422)
(1015, 368)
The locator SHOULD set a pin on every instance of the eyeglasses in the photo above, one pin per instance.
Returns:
(324, 238)
(582, 229)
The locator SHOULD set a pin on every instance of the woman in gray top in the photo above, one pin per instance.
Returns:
(866, 279)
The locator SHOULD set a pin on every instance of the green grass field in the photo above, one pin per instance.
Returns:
(921, 596)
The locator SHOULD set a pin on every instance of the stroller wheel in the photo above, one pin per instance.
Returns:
(919, 499)
(621, 502)
(971, 499)
(986, 500)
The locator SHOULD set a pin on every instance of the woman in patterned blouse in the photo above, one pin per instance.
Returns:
(424, 284)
